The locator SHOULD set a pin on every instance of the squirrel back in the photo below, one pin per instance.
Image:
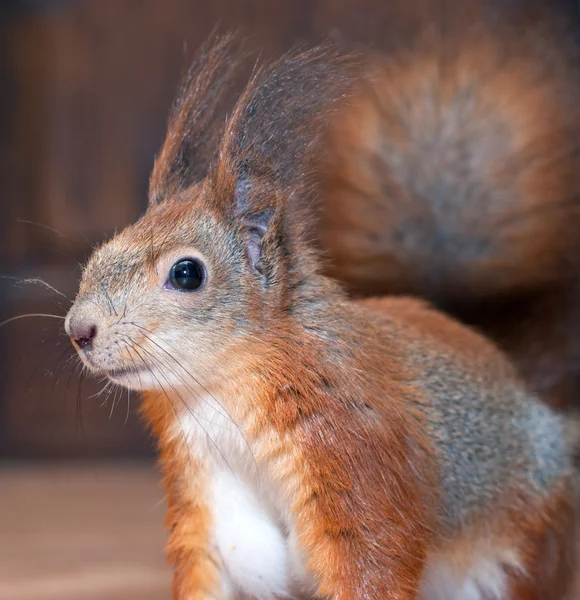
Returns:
(482, 418)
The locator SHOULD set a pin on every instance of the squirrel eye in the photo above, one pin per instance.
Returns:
(186, 275)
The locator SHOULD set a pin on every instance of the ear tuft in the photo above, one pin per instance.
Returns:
(278, 124)
(197, 117)
(265, 165)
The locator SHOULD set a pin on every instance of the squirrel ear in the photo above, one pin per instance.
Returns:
(256, 221)
(197, 117)
(256, 227)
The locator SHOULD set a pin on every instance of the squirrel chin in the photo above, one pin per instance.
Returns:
(121, 375)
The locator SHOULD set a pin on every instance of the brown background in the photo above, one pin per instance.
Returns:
(85, 90)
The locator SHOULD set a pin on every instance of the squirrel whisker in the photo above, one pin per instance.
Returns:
(60, 366)
(128, 407)
(18, 317)
(187, 406)
(171, 404)
(147, 334)
(102, 392)
(116, 397)
(39, 281)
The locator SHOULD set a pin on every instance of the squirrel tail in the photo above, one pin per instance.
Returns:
(454, 175)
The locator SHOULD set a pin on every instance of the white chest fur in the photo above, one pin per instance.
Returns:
(252, 533)
(253, 547)
(484, 579)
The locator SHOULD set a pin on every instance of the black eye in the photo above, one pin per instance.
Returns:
(186, 275)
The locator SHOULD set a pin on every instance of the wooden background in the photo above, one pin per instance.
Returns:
(85, 90)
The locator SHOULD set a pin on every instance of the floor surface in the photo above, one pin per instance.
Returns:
(82, 533)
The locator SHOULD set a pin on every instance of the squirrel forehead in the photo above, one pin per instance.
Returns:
(161, 230)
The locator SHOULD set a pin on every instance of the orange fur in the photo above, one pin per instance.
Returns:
(549, 553)
(188, 518)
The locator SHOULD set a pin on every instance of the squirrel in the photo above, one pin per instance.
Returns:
(313, 444)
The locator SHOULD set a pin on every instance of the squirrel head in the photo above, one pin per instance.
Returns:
(220, 260)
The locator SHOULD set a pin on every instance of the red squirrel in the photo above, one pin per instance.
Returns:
(313, 445)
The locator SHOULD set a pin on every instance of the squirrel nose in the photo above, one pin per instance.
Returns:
(82, 334)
